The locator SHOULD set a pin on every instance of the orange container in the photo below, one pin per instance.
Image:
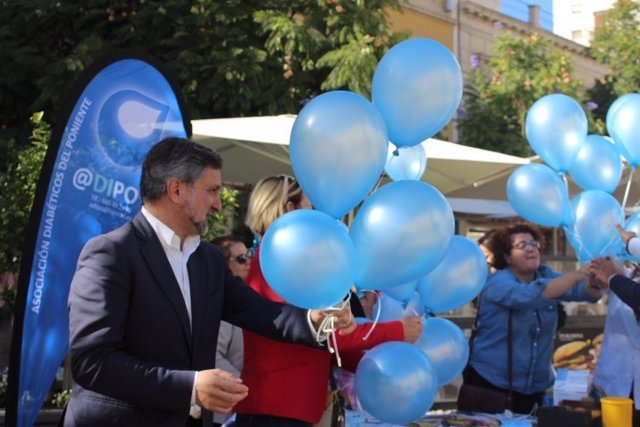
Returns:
(616, 411)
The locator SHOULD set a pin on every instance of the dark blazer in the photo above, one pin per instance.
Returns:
(627, 290)
(133, 350)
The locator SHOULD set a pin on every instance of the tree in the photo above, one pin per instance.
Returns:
(231, 58)
(616, 42)
(520, 71)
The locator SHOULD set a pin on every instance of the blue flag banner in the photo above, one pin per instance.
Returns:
(89, 185)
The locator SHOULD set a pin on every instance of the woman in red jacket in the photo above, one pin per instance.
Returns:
(288, 383)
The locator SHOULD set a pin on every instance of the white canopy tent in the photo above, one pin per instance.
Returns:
(255, 147)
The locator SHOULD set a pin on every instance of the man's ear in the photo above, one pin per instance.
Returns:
(174, 190)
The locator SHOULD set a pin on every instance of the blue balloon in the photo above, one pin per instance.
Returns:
(598, 165)
(417, 86)
(406, 162)
(396, 383)
(458, 278)
(403, 292)
(338, 150)
(446, 347)
(306, 257)
(392, 309)
(400, 233)
(539, 195)
(592, 231)
(556, 128)
(622, 120)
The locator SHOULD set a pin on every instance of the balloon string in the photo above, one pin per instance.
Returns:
(575, 237)
(375, 320)
(626, 191)
(328, 327)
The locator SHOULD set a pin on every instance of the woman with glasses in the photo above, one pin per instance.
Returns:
(288, 383)
(517, 316)
(229, 352)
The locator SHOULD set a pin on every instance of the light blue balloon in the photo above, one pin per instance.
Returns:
(598, 165)
(338, 150)
(539, 195)
(622, 124)
(392, 309)
(609, 121)
(396, 383)
(592, 231)
(306, 257)
(403, 292)
(400, 233)
(417, 86)
(446, 347)
(458, 278)
(406, 162)
(556, 128)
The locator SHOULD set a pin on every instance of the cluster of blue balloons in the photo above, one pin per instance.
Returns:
(401, 239)
(556, 128)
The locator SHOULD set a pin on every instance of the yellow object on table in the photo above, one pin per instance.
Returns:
(616, 411)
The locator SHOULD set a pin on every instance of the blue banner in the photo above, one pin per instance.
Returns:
(120, 109)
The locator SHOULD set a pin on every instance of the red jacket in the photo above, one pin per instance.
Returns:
(292, 380)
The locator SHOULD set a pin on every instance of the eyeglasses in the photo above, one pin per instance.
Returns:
(241, 259)
(524, 243)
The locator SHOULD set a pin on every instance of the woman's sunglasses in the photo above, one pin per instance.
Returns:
(241, 259)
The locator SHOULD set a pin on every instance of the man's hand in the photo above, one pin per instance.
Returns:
(626, 235)
(412, 327)
(218, 390)
(603, 268)
(343, 320)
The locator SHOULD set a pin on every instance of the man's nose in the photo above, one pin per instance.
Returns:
(217, 204)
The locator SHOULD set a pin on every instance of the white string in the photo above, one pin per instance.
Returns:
(375, 321)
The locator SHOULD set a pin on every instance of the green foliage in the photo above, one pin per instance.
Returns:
(617, 43)
(17, 189)
(220, 221)
(520, 71)
(231, 58)
(61, 398)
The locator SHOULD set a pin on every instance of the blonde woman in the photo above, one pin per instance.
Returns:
(288, 383)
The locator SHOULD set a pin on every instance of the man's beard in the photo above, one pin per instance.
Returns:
(201, 226)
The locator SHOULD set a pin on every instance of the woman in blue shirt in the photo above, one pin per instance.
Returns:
(531, 292)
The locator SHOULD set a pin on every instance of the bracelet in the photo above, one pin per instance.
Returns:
(626, 246)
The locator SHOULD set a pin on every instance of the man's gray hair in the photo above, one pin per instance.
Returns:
(177, 158)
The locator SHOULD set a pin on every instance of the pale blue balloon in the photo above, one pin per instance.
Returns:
(396, 383)
(609, 121)
(417, 86)
(446, 347)
(539, 195)
(338, 150)
(598, 165)
(406, 162)
(400, 233)
(403, 292)
(307, 257)
(392, 309)
(458, 278)
(622, 125)
(556, 128)
(592, 231)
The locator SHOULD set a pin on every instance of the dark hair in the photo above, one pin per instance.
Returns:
(177, 158)
(224, 243)
(500, 242)
(485, 239)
